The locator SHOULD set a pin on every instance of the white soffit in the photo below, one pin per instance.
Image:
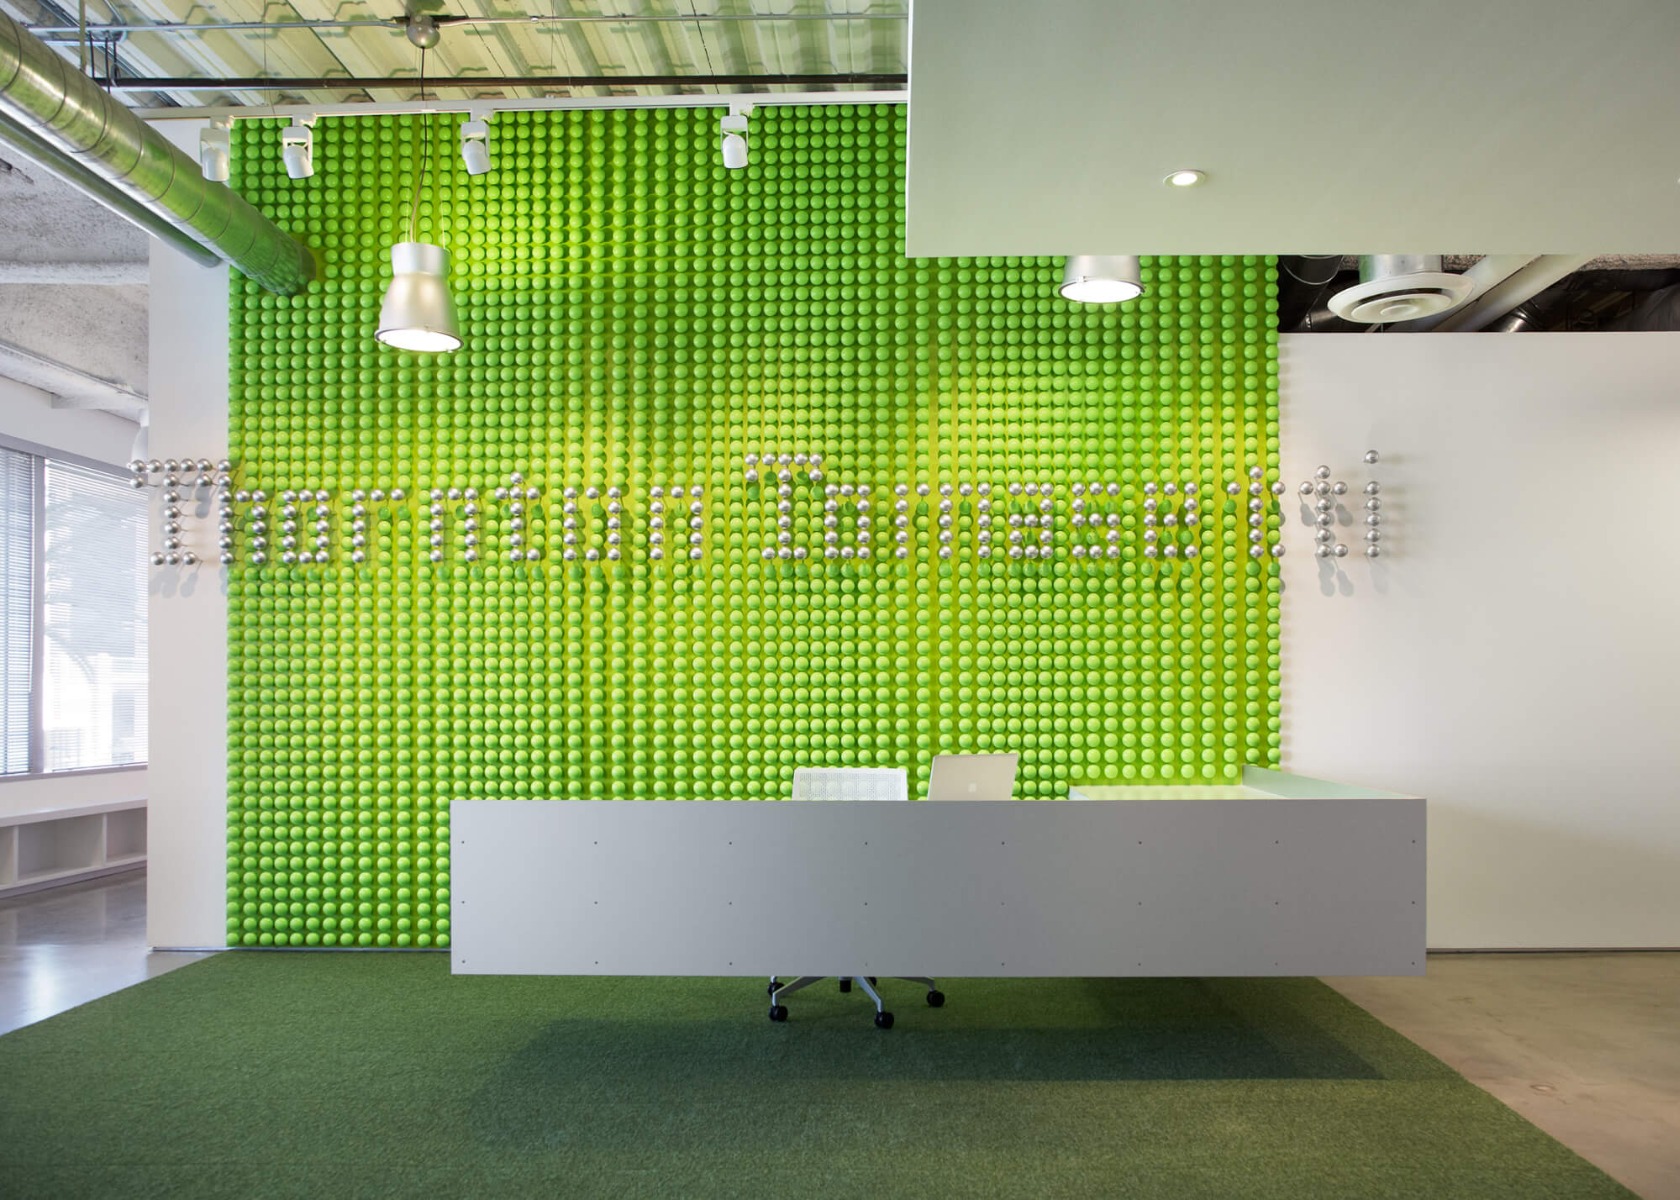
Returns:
(1324, 126)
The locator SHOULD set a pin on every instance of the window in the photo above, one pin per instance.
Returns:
(73, 589)
(17, 618)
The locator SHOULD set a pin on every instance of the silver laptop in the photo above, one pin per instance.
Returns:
(972, 777)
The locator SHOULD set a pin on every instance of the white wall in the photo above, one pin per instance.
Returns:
(1516, 655)
(186, 899)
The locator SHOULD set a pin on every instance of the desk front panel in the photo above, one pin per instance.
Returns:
(1203, 887)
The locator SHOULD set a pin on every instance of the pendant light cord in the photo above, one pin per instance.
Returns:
(419, 161)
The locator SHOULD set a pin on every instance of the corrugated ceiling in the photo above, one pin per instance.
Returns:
(677, 42)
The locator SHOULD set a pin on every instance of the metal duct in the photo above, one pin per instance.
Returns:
(1658, 311)
(1586, 294)
(1302, 281)
(1500, 299)
(1524, 318)
(51, 104)
(1485, 274)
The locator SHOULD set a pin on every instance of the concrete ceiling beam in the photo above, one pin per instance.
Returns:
(99, 274)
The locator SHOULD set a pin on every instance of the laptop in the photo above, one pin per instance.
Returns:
(972, 777)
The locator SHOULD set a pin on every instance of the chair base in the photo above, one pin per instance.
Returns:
(883, 1019)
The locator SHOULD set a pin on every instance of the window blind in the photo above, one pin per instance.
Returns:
(93, 620)
(17, 610)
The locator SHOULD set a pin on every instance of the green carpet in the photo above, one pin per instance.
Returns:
(265, 1074)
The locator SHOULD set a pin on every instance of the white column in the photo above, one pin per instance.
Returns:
(186, 888)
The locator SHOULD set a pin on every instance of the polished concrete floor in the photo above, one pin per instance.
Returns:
(68, 945)
(1586, 1046)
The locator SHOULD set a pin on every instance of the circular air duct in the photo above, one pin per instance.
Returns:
(1399, 287)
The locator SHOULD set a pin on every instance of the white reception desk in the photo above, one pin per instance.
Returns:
(1279, 876)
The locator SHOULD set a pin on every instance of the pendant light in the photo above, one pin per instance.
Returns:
(418, 313)
(1102, 278)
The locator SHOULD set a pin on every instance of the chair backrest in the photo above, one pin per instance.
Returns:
(851, 783)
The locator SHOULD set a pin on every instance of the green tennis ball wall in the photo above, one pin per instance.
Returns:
(636, 316)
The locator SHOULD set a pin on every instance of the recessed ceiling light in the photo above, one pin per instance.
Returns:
(1185, 178)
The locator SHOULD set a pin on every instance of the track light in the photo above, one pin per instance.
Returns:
(734, 130)
(297, 147)
(475, 145)
(1101, 278)
(418, 312)
(215, 152)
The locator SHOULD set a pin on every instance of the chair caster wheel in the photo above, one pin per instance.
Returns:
(883, 1020)
(778, 1012)
(936, 999)
(845, 985)
(772, 989)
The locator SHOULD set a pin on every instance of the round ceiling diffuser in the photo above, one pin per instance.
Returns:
(1399, 287)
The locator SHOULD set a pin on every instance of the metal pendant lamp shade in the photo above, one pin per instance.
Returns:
(1102, 278)
(418, 313)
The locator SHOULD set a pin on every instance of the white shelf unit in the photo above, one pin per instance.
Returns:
(62, 845)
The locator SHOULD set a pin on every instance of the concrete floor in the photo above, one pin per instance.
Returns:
(1586, 1046)
(65, 946)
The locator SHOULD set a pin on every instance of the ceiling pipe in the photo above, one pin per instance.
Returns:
(386, 83)
(1524, 318)
(1302, 281)
(1658, 311)
(1483, 275)
(1586, 293)
(104, 150)
(1500, 299)
(614, 19)
(1322, 320)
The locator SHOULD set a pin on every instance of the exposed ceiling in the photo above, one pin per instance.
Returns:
(1608, 293)
(1328, 124)
(72, 294)
(1323, 126)
(43, 221)
(249, 52)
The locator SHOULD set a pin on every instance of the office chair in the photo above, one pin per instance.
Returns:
(850, 783)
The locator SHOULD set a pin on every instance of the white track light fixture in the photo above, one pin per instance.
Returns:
(418, 312)
(297, 147)
(215, 151)
(734, 130)
(1102, 278)
(475, 145)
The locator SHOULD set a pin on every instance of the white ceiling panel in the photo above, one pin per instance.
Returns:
(1324, 126)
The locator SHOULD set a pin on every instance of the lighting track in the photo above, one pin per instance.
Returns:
(272, 84)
